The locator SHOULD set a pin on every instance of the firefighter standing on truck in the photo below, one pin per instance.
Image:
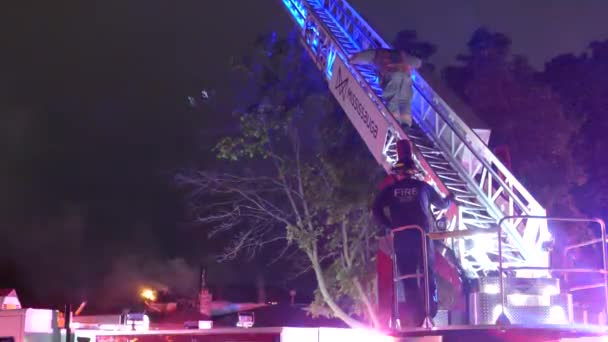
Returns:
(395, 70)
(408, 200)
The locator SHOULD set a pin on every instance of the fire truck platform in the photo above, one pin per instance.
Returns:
(536, 333)
(569, 333)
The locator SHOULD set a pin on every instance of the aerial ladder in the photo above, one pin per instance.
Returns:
(453, 158)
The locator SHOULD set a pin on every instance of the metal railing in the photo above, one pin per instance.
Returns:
(503, 319)
(428, 320)
(592, 286)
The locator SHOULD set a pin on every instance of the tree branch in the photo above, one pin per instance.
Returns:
(335, 308)
(345, 245)
(300, 183)
(248, 205)
(283, 178)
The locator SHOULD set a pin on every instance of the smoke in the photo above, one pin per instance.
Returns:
(53, 260)
(129, 275)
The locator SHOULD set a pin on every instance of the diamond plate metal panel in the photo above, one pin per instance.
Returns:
(485, 309)
(529, 286)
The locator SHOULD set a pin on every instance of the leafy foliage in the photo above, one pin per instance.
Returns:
(581, 82)
(525, 114)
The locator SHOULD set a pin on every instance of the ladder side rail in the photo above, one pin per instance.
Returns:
(321, 27)
(361, 27)
(482, 152)
(393, 125)
(515, 190)
(368, 89)
(366, 85)
(433, 118)
(451, 139)
(486, 199)
(325, 64)
(480, 149)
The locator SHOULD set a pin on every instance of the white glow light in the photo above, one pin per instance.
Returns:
(557, 315)
(496, 312)
(491, 289)
(550, 291)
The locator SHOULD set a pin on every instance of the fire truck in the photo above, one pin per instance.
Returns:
(497, 232)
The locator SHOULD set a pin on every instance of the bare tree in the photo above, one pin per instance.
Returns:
(299, 202)
(303, 182)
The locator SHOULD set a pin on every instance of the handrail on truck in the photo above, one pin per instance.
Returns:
(503, 319)
(428, 321)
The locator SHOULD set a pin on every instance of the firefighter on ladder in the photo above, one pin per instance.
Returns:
(395, 69)
(408, 200)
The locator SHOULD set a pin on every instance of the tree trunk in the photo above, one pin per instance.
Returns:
(368, 305)
(337, 311)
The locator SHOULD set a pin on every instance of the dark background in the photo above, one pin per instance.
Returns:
(95, 120)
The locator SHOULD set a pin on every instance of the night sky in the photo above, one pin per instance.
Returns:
(540, 29)
(94, 116)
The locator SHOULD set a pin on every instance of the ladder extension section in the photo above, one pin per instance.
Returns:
(451, 155)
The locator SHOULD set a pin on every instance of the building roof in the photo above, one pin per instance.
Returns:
(278, 315)
(281, 315)
(7, 292)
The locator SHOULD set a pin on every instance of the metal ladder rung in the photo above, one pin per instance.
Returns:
(457, 189)
(452, 182)
(474, 206)
(451, 185)
(414, 136)
(409, 276)
(440, 166)
(425, 147)
(447, 173)
(449, 177)
(461, 191)
(433, 155)
(585, 287)
(465, 196)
